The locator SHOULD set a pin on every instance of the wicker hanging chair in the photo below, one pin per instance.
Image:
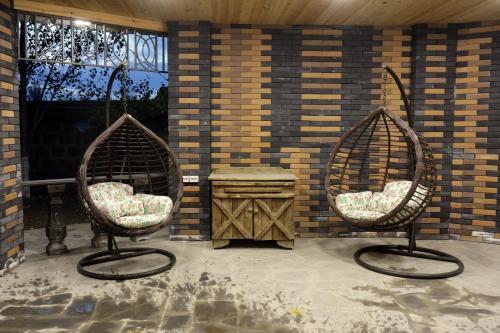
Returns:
(379, 150)
(128, 153)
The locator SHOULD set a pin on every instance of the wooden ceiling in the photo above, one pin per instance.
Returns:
(153, 14)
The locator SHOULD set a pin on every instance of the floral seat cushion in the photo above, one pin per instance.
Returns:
(363, 215)
(353, 201)
(368, 206)
(117, 202)
(139, 221)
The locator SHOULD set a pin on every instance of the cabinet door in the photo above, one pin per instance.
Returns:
(232, 218)
(273, 219)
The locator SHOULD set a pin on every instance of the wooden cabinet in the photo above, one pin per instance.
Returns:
(252, 203)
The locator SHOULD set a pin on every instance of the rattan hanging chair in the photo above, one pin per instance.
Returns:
(128, 153)
(380, 150)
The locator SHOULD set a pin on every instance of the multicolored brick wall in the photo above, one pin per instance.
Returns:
(240, 97)
(283, 96)
(189, 122)
(475, 185)
(434, 62)
(11, 213)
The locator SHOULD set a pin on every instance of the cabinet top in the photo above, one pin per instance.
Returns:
(252, 173)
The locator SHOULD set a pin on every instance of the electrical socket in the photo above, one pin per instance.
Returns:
(190, 179)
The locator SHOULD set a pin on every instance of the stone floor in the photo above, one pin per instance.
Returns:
(252, 288)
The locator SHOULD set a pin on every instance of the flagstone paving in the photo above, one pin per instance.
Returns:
(250, 287)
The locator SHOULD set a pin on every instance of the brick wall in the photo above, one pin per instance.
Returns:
(434, 62)
(476, 135)
(189, 122)
(283, 95)
(11, 215)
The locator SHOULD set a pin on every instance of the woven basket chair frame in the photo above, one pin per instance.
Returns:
(353, 151)
(130, 153)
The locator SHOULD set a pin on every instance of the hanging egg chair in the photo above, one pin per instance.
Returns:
(381, 176)
(131, 185)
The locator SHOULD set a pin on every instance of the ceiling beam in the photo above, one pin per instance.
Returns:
(94, 16)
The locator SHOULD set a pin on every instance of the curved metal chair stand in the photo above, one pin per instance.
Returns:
(130, 153)
(114, 254)
(380, 146)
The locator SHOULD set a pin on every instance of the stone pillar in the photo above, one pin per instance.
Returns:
(11, 211)
(56, 227)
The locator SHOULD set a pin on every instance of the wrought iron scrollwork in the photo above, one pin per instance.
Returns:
(76, 42)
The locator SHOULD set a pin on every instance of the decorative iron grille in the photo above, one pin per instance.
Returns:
(76, 42)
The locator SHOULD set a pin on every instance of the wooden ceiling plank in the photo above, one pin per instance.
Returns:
(152, 14)
(91, 15)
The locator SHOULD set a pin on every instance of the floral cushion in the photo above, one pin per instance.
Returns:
(363, 215)
(139, 221)
(155, 204)
(353, 201)
(394, 193)
(368, 206)
(385, 202)
(116, 200)
(127, 206)
(109, 190)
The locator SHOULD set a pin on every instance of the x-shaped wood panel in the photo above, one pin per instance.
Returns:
(232, 218)
(274, 216)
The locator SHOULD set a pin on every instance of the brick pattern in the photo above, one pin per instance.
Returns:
(283, 95)
(11, 214)
(239, 96)
(189, 122)
(434, 62)
(476, 147)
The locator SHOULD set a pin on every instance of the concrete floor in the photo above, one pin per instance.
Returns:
(251, 288)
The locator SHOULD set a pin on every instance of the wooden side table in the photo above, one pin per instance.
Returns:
(253, 203)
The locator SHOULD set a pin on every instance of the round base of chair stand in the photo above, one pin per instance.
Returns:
(115, 254)
(416, 252)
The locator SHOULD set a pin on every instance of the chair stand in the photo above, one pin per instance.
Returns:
(114, 254)
(410, 250)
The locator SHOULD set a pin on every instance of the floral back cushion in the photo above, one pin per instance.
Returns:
(155, 204)
(385, 202)
(353, 201)
(109, 190)
(394, 193)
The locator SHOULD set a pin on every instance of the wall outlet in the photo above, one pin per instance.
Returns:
(190, 179)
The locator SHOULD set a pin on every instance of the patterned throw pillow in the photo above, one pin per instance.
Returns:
(384, 202)
(398, 187)
(114, 208)
(353, 201)
(155, 204)
(394, 193)
(130, 206)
